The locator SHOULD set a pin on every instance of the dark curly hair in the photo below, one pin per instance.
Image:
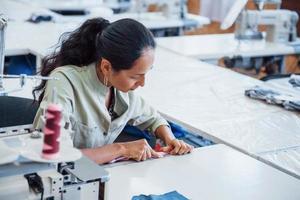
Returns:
(121, 43)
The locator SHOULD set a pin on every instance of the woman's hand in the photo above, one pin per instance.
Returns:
(177, 147)
(139, 150)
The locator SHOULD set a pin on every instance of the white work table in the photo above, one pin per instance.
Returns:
(151, 20)
(286, 159)
(64, 5)
(216, 46)
(24, 38)
(158, 21)
(210, 101)
(216, 172)
(38, 39)
(21, 10)
(18, 11)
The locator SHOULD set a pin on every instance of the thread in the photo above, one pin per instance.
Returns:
(52, 132)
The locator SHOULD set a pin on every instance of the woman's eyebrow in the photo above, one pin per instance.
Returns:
(145, 72)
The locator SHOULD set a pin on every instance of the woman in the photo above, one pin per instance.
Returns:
(99, 65)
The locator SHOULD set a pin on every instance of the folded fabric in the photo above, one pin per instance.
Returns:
(132, 130)
(295, 80)
(288, 101)
(174, 195)
(178, 131)
(258, 92)
(292, 105)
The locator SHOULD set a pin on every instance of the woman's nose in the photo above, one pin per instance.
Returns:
(142, 82)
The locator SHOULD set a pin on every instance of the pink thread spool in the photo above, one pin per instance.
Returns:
(52, 132)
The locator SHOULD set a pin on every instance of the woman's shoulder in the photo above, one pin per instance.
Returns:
(67, 69)
(70, 72)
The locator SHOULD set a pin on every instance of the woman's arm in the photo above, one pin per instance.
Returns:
(164, 133)
(146, 117)
(137, 150)
(105, 153)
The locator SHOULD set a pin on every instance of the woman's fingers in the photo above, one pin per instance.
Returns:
(145, 153)
(166, 149)
(144, 156)
(140, 155)
(140, 150)
(155, 154)
(180, 147)
(190, 148)
(183, 148)
(149, 153)
(176, 147)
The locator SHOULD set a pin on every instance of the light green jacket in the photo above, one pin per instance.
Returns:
(82, 97)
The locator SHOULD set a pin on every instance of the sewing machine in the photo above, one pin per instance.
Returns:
(24, 174)
(26, 179)
(280, 28)
(280, 25)
(261, 3)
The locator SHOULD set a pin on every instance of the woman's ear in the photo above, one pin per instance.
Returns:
(105, 67)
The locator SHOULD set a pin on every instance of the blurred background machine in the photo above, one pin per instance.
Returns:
(163, 18)
(280, 26)
(170, 8)
(118, 6)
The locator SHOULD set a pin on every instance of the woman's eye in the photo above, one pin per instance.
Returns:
(134, 77)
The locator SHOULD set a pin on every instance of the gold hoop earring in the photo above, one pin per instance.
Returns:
(105, 81)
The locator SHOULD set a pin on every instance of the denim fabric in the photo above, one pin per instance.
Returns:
(174, 195)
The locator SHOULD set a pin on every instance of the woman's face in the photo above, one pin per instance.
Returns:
(126, 80)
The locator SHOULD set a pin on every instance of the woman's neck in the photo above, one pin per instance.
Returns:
(100, 76)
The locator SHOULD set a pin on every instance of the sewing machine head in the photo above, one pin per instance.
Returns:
(280, 25)
(260, 3)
